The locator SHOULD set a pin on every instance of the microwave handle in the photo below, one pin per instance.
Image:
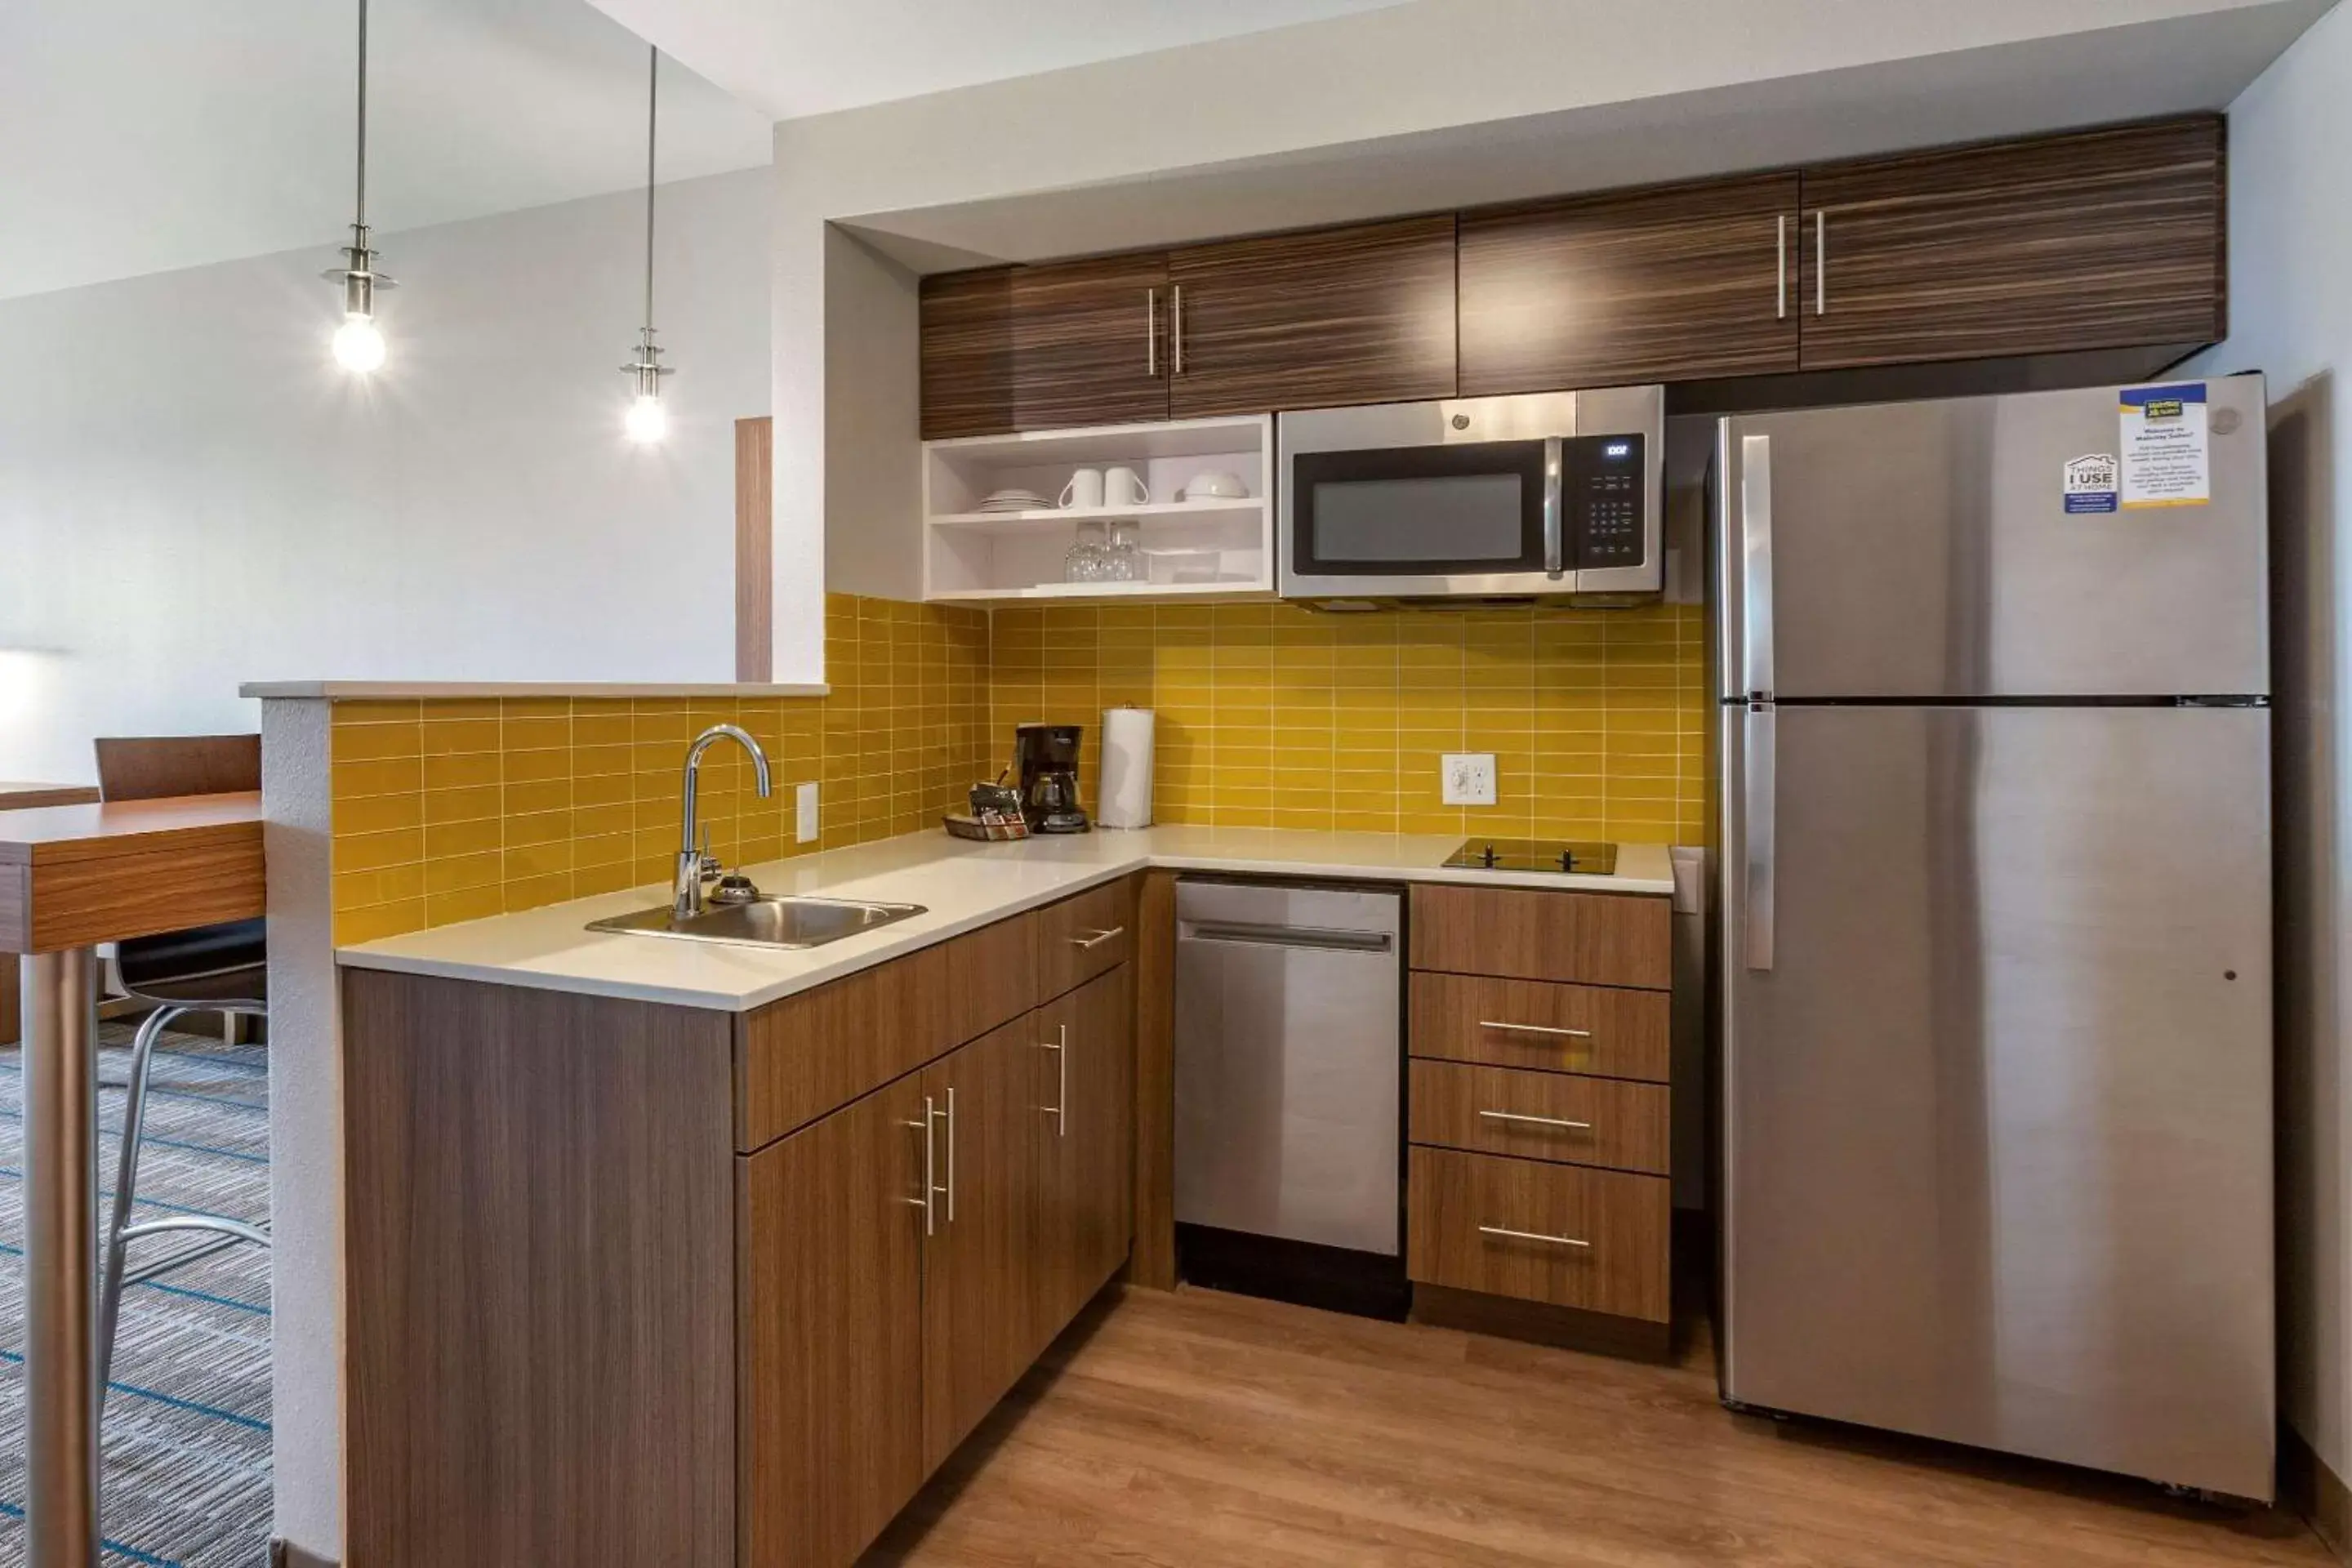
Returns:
(1555, 546)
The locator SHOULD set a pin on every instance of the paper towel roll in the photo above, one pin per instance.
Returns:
(1125, 768)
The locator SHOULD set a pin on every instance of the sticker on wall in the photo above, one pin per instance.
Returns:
(2090, 482)
(2165, 458)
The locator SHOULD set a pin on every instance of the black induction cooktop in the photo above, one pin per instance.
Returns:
(1536, 855)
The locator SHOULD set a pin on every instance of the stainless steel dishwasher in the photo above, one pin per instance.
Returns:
(1289, 1074)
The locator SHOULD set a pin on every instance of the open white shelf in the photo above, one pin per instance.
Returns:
(975, 558)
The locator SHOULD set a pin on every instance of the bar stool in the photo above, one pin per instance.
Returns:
(220, 969)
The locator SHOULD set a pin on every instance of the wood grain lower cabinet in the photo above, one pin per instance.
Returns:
(830, 1329)
(1560, 1117)
(1084, 1134)
(1563, 1235)
(1586, 939)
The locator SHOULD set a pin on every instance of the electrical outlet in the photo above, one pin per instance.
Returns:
(804, 800)
(1468, 778)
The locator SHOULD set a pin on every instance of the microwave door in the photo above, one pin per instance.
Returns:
(1403, 522)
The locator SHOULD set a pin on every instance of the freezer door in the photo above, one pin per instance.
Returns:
(1923, 550)
(1997, 1090)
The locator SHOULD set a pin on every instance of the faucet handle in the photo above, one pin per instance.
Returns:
(709, 864)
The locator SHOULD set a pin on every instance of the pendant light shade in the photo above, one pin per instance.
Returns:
(647, 421)
(359, 342)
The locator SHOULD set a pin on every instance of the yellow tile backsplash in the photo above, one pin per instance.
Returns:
(1270, 715)
(1275, 716)
(449, 810)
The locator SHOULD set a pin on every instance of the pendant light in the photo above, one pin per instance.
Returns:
(359, 342)
(646, 420)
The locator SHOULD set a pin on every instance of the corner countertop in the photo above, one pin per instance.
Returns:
(961, 885)
(396, 690)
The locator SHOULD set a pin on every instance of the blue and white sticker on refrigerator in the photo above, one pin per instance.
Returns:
(2164, 460)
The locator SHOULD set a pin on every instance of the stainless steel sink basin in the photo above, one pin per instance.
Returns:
(765, 922)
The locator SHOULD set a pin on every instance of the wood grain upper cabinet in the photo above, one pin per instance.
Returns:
(1362, 314)
(1669, 284)
(1086, 344)
(1086, 1137)
(966, 354)
(2101, 239)
(830, 1326)
(977, 1256)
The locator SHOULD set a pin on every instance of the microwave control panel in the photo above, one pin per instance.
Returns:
(1603, 484)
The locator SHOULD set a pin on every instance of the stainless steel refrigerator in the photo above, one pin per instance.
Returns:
(1994, 952)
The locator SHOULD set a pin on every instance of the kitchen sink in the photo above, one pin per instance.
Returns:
(765, 921)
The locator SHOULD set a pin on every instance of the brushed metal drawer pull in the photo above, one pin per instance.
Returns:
(1534, 1029)
(1537, 1121)
(1059, 1110)
(930, 1167)
(1098, 938)
(1532, 1236)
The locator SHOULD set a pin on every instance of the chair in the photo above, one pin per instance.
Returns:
(219, 969)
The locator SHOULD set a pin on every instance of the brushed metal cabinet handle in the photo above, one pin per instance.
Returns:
(1780, 258)
(930, 1170)
(951, 1182)
(1534, 1029)
(1059, 1110)
(1517, 1117)
(1509, 1235)
(1820, 261)
(1176, 326)
(1151, 334)
(1098, 938)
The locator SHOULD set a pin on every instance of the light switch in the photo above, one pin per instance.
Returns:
(804, 798)
(1468, 778)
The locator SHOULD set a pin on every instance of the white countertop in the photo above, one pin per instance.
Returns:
(961, 885)
(392, 691)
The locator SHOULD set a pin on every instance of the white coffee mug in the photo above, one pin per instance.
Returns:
(1215, 484)
(1124, 487)
(1084, 488)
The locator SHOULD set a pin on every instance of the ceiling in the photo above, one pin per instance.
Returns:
(794, 57)
(143, 135)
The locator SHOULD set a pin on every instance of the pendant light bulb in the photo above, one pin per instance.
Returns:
(647, 420)
(359, 345)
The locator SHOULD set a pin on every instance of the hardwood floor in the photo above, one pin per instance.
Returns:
(1177, 1431)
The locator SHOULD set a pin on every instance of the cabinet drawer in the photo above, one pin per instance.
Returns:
(1084, 936)
(1593, 939)
(807, 1055)
(1542, 1116)
(1530, 1024)
(1596, 1240)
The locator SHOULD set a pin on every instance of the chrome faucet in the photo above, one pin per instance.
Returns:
(686, 890)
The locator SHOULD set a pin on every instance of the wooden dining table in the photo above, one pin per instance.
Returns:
(72, 876)
(17, 795)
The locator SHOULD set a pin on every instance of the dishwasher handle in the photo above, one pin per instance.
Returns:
(1314, 939)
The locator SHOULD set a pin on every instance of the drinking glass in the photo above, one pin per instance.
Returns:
(1089, 557)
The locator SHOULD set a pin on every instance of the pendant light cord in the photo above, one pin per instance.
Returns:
(653, 89)
(359, 221)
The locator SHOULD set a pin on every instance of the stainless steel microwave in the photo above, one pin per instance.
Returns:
(1552, 495)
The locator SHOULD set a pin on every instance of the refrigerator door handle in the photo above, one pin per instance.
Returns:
(1758, 776)
(1755, 561)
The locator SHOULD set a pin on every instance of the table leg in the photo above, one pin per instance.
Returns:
(60, 1078)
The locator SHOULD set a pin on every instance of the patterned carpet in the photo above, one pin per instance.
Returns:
(187, 1424)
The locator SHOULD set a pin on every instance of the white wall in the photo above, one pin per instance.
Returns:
(192, 495)
(2291, 314)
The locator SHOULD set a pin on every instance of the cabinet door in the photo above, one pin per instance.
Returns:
(976, 1338)
(2102, 239)
(830, 1375)
(1657, 285)
(1085, 1139)
(966, 354)
(1086, 342)
(1332, 316)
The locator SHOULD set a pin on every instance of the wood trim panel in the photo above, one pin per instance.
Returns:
(200, 879)
(1589, 939)
(755, 543)
(1325, 317)
(1152, 1262)
(1667, 284)
(1626, 1034)
(533, 1178)
(830, 1361)
(1625, 1125)
(966, 354)
(1065, 929)
(808, 1055)
(1626, 1221)
(2049, 245)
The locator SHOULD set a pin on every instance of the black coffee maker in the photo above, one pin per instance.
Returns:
(1046, 757)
